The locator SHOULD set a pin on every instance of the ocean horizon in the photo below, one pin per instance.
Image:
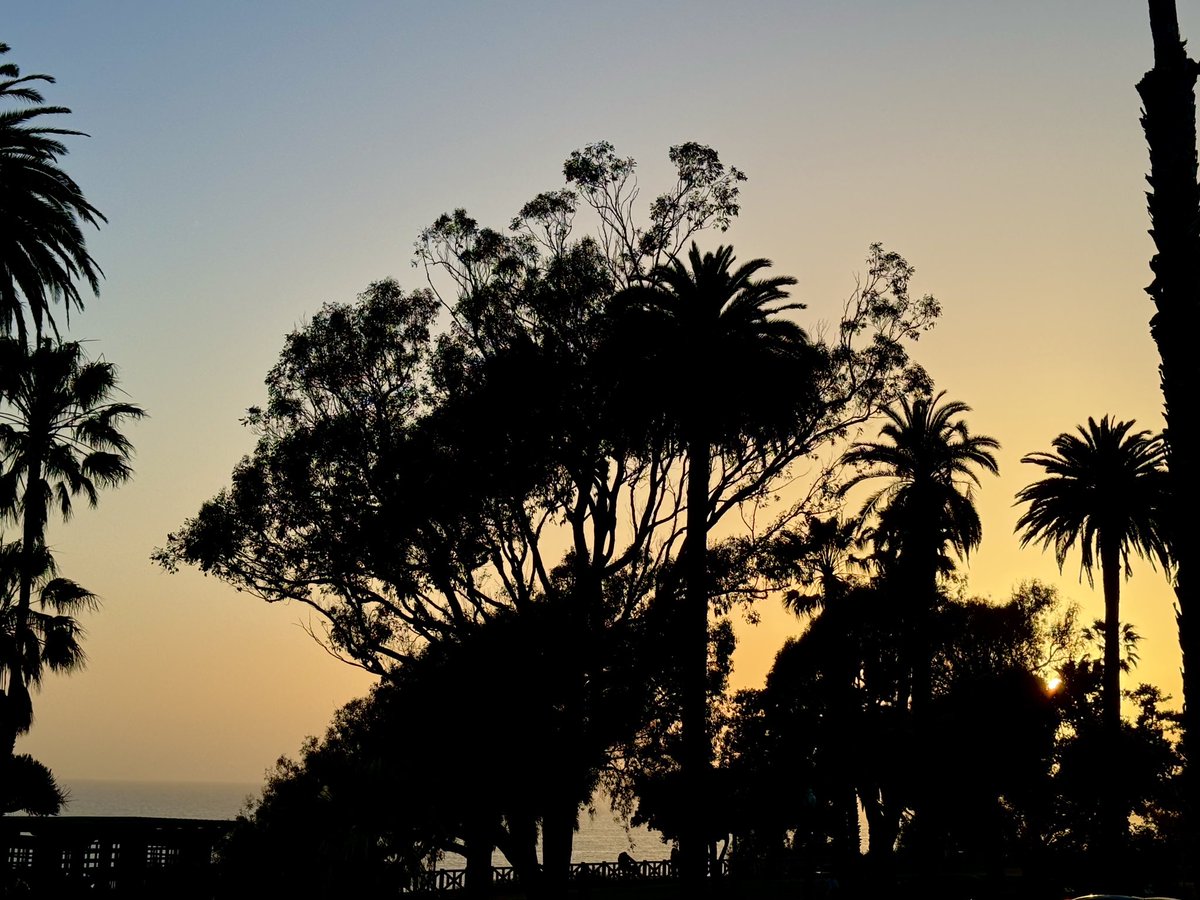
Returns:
(158, 799)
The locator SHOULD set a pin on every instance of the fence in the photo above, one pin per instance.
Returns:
(133, 857)
(130, 856)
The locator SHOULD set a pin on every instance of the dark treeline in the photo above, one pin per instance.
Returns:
(534, 495)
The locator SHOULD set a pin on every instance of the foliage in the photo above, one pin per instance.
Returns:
(42, 253)
(59, 430)
(925, 514)
(49, 639)
(529, 452)
(332, 509)
(1147, 785)
(337, 819)
(60, 438)
(509, 435)
(1105, 492)
(705, 195)
(831, 729)
(819, 556)
(930, 459)
(1103, 484)
(429, 763)
(28, 786)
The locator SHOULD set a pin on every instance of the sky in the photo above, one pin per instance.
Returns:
(256, 160)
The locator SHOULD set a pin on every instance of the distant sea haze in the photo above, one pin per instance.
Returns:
(600, 837)
(158, 799)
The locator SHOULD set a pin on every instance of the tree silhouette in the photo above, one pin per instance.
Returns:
(727, 328)
(927, 510)
(818, 557)
(533, 447)
(1104, 493)
(49, 640)
(1169, 121)
(42, 249)
(51, 637)
(60, 438)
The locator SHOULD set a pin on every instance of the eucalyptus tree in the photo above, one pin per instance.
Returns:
(43, 253)
(412, 482)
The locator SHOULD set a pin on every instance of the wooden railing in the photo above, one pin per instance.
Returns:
(130, 856)
(106, 854)
(439, 880)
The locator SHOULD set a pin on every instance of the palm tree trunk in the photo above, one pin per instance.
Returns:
(922, 585)
(1169, 121)
(1115, 819)
(1110, 579)
(696, 747)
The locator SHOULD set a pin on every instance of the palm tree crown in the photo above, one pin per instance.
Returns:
(60, 433)
(42, 248)
(49, 638)
(1104, 487)
(931, 460)
(818, 557)
(716, 332)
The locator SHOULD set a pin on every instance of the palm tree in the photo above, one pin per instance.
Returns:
(42, 248)
(59, 438)
(820, 557)
(717, 333)
(1168, 93)
(927, 510)
(1104, 493)
(50, 638)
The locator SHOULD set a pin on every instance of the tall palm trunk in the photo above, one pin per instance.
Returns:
(848, 838)
(1169, 121)
(696, 747)
(1114, 818)
(1110, 579)
(921, 582)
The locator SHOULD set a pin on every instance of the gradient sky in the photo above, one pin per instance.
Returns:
(258, 159)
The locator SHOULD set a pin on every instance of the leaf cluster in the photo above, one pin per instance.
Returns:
(43, 252)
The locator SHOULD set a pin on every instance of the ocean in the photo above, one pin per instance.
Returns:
(159, 799)
(601, 837)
